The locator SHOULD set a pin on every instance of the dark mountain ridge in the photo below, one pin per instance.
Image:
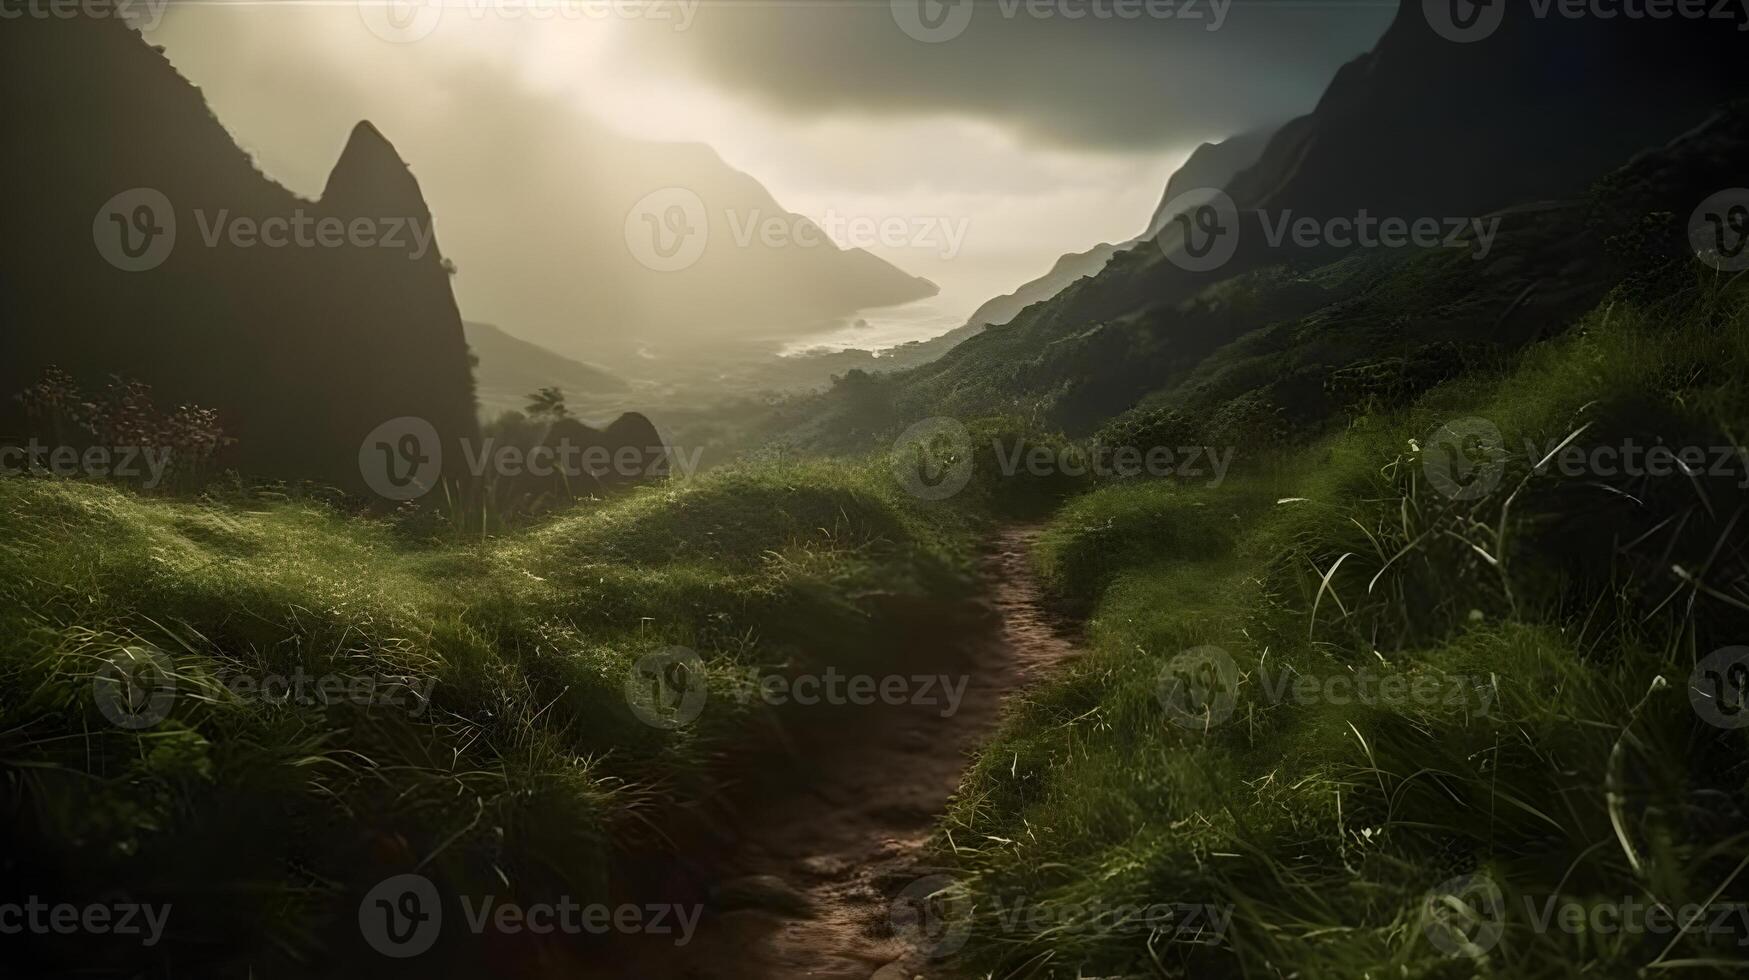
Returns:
(1212, 165)
(1426, 127)
(1209, 165)
(303, 347)
(1420, 127)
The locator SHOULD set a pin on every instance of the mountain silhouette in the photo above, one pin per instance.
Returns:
(303, 347)
(626, 252)
(1211, 165)
(1426, 127)
(1521, 126)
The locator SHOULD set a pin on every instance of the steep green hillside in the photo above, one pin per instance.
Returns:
(1411, 699)
(463, 707)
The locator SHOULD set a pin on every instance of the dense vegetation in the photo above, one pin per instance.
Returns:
(1517, 637)
(495, 746)
(1511, 718)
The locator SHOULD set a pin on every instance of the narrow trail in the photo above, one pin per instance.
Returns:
(818, 856)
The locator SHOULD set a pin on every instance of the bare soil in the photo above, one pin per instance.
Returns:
(814, 856)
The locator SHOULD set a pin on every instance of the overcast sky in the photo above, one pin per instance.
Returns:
(1043, 134)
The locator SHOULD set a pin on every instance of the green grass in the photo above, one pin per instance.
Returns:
(514, 762)
(1552, 621)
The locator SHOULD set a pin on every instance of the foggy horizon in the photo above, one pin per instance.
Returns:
(285, 79)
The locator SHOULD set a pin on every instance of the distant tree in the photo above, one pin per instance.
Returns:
(547, 403)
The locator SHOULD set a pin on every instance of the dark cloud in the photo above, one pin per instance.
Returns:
(1093, 82)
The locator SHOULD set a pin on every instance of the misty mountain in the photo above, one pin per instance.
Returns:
(612, 250)
(150, 255)
(507, 369)
(1421, 127)
(1067, 269)
(1211, 165)
(1425, 127)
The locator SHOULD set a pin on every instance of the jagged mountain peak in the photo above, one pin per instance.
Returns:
(353, 335)
(370, 169)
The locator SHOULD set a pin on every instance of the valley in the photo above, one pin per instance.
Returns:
(1344, 576)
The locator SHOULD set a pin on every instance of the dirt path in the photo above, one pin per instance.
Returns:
(817, 857)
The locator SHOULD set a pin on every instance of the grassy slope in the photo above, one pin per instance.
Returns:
(1324, 826)
(525, 771)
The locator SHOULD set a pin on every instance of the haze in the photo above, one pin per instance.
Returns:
(832, 107)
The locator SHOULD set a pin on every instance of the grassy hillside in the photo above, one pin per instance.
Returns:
(477, 726)
(1444, 672)
(1381, 703)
